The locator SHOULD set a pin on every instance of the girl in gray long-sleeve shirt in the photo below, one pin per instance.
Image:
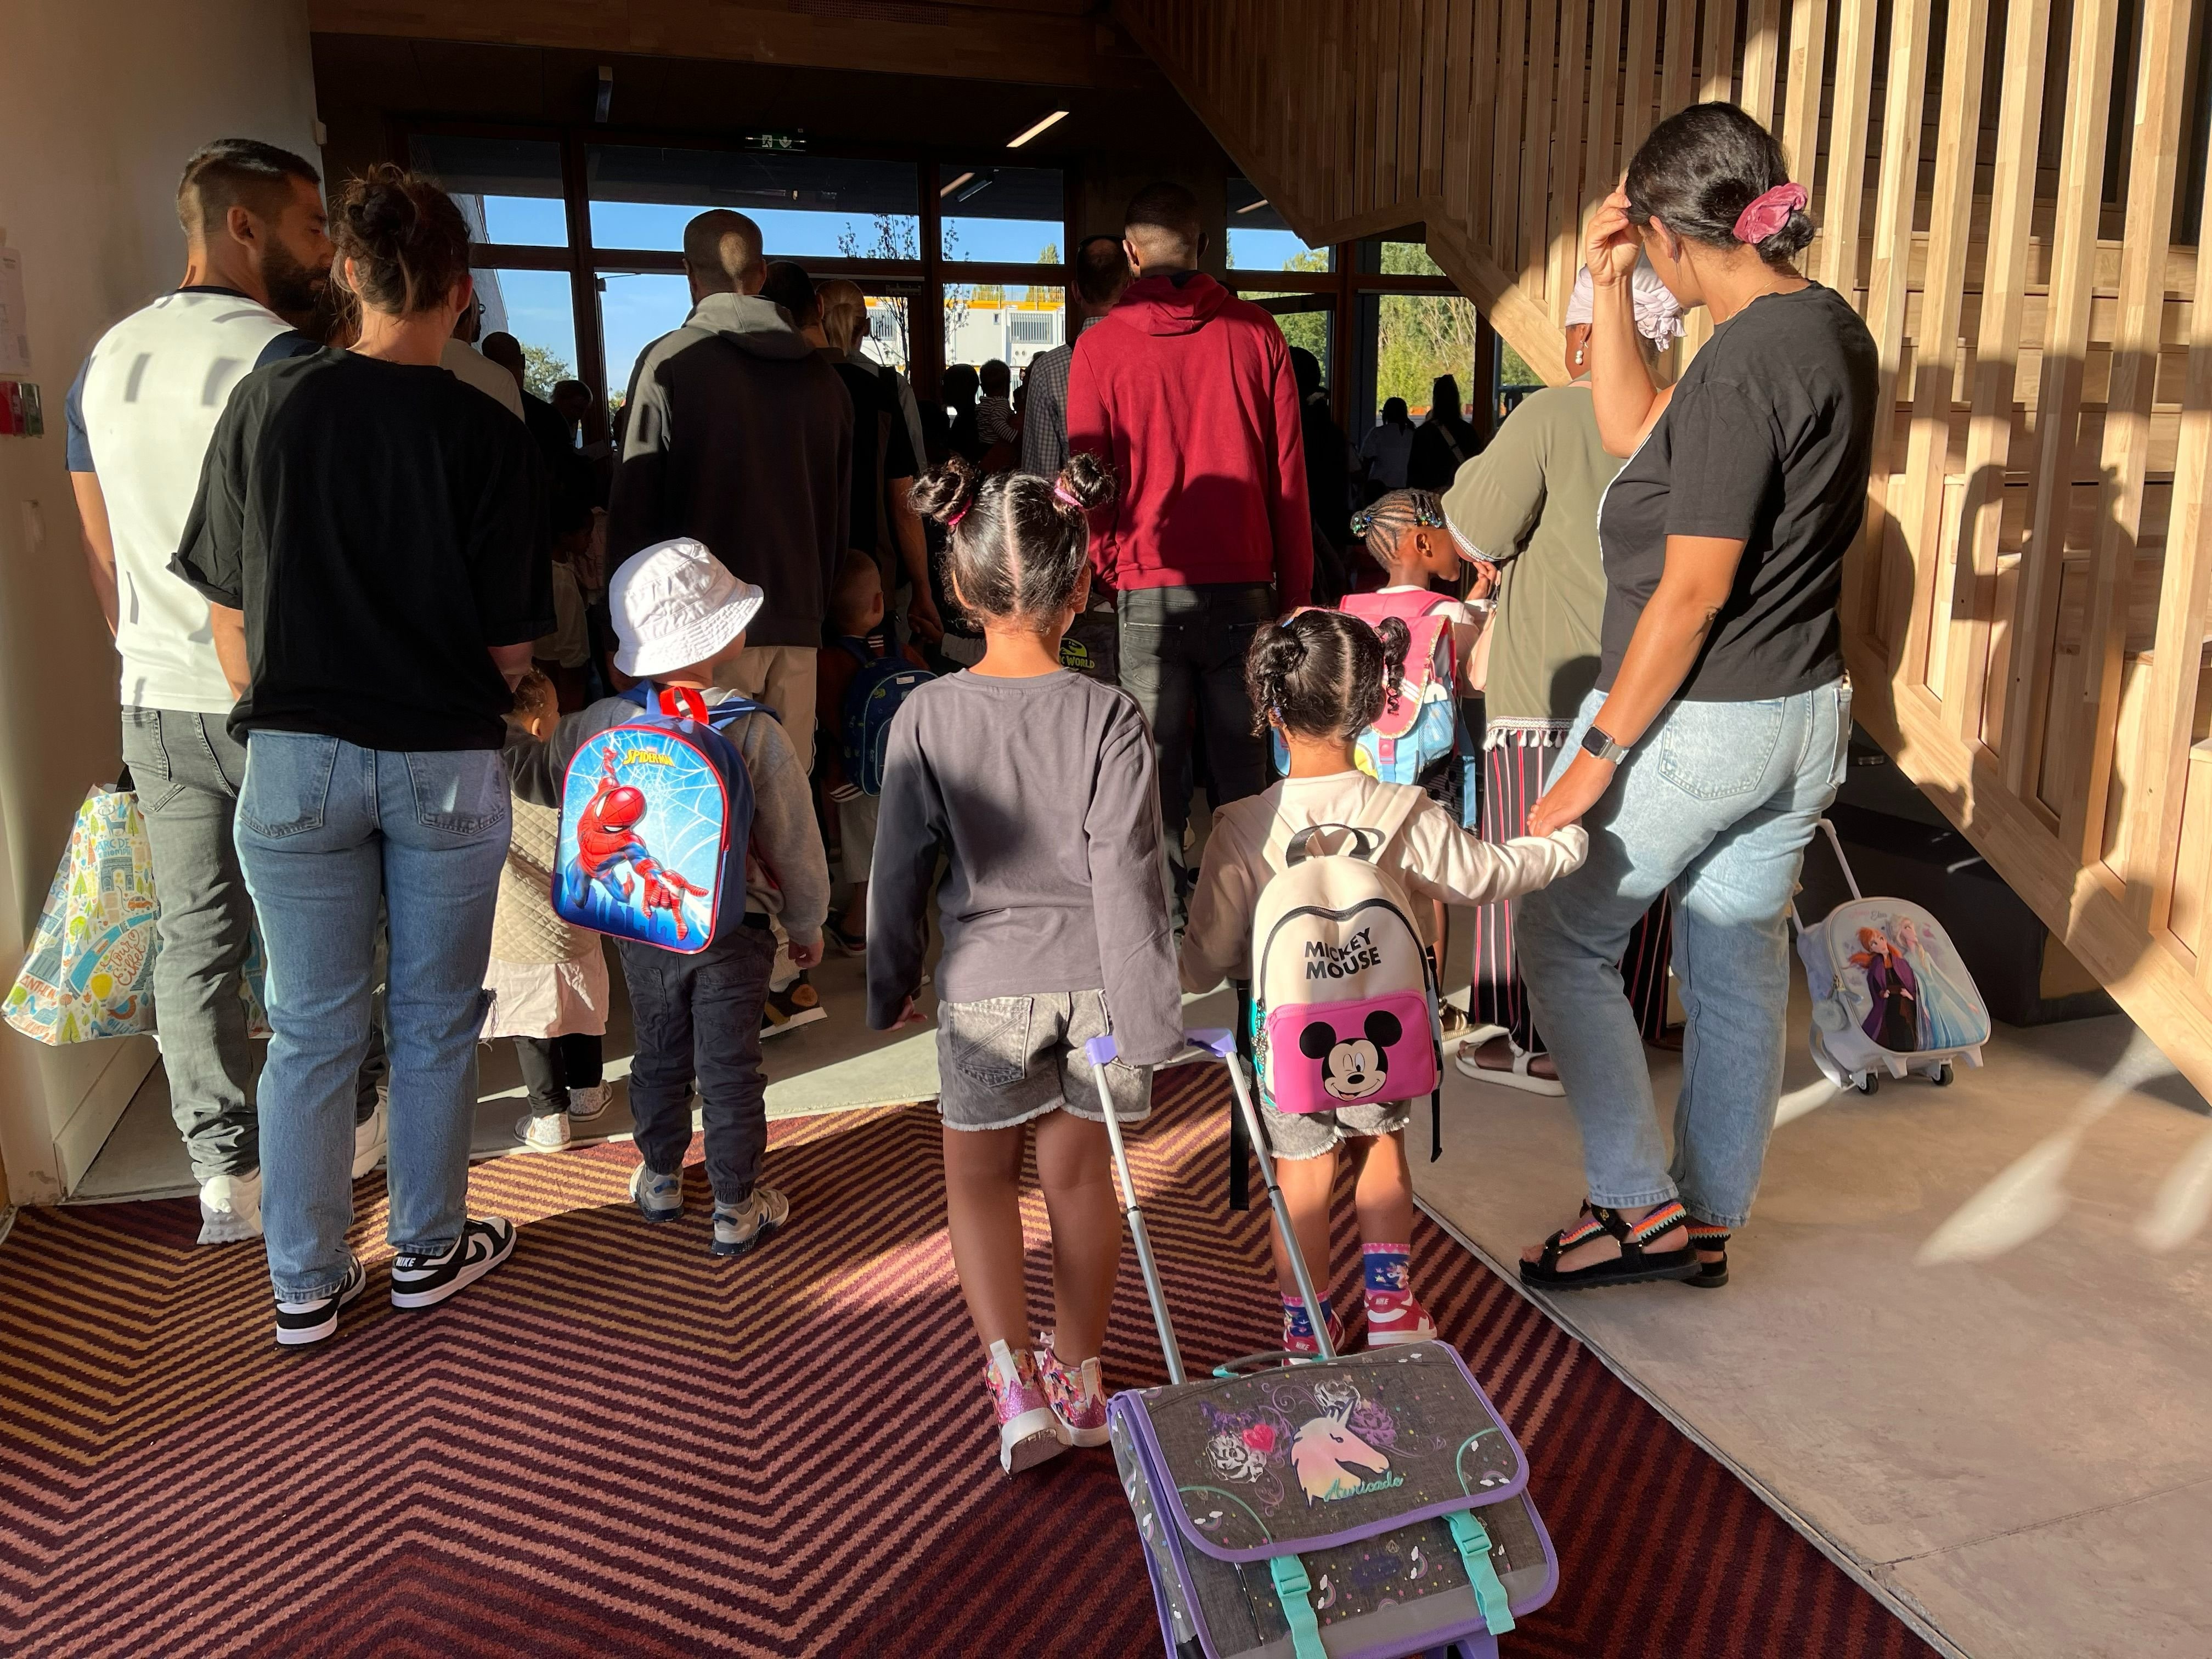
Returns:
(1035, 786)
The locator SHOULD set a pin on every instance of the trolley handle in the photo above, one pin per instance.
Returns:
(1851, 881)
(1220, 1042)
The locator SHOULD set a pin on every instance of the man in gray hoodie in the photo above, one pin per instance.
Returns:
(739, 435)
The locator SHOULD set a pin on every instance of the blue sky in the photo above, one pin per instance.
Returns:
(1262, 250)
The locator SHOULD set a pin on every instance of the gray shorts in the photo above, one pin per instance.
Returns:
(1003, 1061)
(1298, 1135)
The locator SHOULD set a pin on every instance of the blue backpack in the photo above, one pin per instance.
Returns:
(656, 815)
(883, 684)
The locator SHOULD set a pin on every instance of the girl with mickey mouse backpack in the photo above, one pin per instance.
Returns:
(1305, 892)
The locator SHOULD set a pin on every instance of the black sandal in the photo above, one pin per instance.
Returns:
(1711, 1275)
(1637, 1264)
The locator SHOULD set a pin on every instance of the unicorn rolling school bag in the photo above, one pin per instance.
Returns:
(656, 815)
(1369, 1504)
(1890, 994)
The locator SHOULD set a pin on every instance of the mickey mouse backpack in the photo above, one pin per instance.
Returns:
(1344, 1000)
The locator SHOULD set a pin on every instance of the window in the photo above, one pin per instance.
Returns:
(891, 323)
(1396, 257)
(991, 320)
(635, 309)
(807, 206)
(1002, 215)
(1308, 320)
(508, 189)
(536, 307)
(1260, 239)
(1418, 338)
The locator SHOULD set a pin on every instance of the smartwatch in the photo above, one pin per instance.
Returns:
(1595, 742)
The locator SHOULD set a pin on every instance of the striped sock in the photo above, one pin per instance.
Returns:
(1297, 1322)
(1386, 1267)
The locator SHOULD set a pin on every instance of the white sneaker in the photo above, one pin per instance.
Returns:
(230, 1208)
(585, 1104)
(545, 1132)
(372, 1136)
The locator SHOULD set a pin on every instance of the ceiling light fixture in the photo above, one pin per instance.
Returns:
(1254, 206)
(954, 185)
(1057, 115)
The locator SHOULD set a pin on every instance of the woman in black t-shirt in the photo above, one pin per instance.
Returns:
(1718, 731)
(370, 536)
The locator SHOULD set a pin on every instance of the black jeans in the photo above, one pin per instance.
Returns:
(1182, 658)
(700, 1016)
(553, 1065)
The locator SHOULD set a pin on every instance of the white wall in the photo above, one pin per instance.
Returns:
(103, 102)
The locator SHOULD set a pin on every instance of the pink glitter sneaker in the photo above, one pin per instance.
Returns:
(1029, 1433)
(1076, 1395)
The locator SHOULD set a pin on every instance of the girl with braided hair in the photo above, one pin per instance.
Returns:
(1319, 678)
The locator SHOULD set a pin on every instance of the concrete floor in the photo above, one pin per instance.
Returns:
(1966, 1340)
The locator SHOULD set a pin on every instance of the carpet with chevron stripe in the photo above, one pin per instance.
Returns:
(618, 1445)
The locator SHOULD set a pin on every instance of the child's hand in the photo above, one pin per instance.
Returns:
(908, 1016)
(1486, 579)
(804, 956)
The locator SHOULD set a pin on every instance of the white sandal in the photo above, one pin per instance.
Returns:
(1519, 1077)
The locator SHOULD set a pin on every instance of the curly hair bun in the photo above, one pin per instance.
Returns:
(946, 491)
(1087, 481)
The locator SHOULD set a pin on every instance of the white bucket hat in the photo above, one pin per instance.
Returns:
(676, 604)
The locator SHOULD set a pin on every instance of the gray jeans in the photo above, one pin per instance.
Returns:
(187, 768)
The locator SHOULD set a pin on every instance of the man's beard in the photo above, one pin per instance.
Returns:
(294, 289)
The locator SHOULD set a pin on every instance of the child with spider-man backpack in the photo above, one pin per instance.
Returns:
(1319, 679)
(640, 860)
(1034, 787)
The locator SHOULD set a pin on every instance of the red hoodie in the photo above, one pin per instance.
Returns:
(1187, 391)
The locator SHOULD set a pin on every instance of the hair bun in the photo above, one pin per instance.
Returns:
(946, 492)
(1087, 482)
(1794, 236)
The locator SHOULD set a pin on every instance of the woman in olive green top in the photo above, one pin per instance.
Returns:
(1529, 503)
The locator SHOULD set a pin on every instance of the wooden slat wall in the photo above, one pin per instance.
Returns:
(2026, 618)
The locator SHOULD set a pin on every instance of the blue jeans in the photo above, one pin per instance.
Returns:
(1715, 806)
(324, 829)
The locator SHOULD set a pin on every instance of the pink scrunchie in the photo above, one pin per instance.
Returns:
(1769, 212)
(1060, 493)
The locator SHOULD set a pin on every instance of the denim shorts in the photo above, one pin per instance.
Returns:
(1295, 1135)
(1003, 1061)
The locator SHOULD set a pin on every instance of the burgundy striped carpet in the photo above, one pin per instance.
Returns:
(618, 1446)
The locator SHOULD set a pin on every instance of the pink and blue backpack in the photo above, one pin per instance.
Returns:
(656, 815)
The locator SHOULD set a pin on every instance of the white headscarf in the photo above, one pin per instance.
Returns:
(1658, 312)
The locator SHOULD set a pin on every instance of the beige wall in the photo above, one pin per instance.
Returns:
(104, 98)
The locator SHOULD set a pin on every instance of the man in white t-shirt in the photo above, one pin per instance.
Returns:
(139, 416)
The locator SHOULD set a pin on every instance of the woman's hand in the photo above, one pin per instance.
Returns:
(1612, 247)
(1580, 788)
(921, 617)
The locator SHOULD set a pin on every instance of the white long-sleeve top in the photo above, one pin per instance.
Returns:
(1430, 855)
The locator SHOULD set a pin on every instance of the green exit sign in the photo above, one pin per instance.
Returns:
(787, 142)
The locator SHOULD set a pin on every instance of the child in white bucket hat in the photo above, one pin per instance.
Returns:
(680, 617)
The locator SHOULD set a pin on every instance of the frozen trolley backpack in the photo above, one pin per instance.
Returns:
(1889, 991)
(1344, 1007)
(656, 815)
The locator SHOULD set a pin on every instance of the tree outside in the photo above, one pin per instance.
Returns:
(542, 367)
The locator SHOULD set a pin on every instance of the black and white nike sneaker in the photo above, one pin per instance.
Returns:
(298, 1323)
(423, 1281)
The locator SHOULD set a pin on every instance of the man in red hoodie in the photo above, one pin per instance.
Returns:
(1188, 392)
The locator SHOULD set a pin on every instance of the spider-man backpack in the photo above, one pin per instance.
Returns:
(656, 814)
